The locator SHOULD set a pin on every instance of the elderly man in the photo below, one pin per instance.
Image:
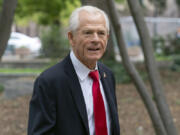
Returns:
(77, 95)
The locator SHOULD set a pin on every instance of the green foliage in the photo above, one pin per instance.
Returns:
(176, 63)
(177, 101)
(118, 70)
(174, 45)
(44, 11)
(120, 1)
(1, 88)
(120, 73)
(54, 44)
(163, 57)
(158, 44)
(48, 10)
(168, 49)
(178, 2)
(166, 46)
(64, 15)
(20, 70)
(177, 59)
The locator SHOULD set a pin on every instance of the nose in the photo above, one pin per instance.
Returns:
(95, 38)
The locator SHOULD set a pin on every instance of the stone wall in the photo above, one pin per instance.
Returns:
(17, 84)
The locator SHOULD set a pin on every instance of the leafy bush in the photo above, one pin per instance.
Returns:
(159, 45)
(1, 88)
(174, 47)
(118, 70)
(54, 44)
(176, 63)
(120, 73)
(166, 46)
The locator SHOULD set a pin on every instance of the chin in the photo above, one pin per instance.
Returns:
(94, 59)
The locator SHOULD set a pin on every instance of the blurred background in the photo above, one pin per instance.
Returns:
(38, 40)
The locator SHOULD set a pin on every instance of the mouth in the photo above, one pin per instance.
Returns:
(93, 49)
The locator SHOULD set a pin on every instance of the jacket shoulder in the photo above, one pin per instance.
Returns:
(55, 72)
(104, 68)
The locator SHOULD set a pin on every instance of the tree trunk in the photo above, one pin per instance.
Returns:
(102, 4)
(154, 76)
(109, 54)
(6, 19)
(152, 110)
(178, 6)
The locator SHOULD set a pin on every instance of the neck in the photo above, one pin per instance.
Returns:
(91, 66)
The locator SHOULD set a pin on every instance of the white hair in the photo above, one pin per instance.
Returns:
(74, 18)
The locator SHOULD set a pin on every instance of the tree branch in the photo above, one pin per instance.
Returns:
(154, 76)
(152, 110)
(6, 20)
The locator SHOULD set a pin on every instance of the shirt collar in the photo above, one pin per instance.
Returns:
(81, 70)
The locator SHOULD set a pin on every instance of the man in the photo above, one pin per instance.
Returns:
(77, 95)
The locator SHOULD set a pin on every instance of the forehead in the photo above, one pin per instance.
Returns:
(91, 19)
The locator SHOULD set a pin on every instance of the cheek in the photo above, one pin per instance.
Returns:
(82, 49)
(73, 43)
(104, 45)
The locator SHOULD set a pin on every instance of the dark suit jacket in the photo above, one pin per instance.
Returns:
(57, 106)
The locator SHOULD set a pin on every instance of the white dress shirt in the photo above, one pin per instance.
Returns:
(86, 85)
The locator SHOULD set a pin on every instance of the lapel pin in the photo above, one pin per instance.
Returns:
(104, 75)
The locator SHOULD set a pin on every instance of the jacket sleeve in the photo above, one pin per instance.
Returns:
(42, 111)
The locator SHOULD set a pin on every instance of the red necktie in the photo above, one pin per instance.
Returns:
(98, 106)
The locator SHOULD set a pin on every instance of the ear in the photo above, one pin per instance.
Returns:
(107, 36)
(107, 39)
(71, 38)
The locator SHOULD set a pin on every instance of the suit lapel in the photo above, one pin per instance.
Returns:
(77, 92)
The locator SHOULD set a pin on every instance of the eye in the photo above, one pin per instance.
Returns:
(87, 32)
(101, 33)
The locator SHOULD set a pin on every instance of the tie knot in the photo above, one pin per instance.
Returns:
(94, 75)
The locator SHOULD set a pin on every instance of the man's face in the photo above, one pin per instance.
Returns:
(90, 40)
